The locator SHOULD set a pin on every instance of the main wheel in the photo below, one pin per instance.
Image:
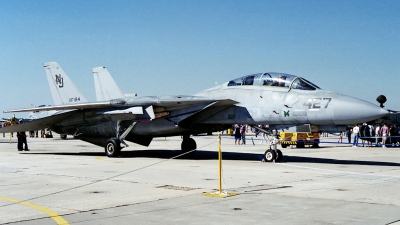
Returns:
(279, 156)
(63, 136)
(284, 145)
(113, 147)
(188, 145)
(269, 155)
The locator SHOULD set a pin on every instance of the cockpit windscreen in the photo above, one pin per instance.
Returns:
(275, 80)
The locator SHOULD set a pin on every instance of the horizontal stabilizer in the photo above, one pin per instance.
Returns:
(95, 105)
(37, 124)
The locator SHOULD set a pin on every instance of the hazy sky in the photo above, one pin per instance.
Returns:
(182, 47)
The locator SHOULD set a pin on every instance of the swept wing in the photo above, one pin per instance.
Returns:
(129, 109)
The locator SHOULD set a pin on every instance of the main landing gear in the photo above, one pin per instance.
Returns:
(188, 144)
(113, 146)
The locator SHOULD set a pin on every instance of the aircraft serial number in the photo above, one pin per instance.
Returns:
(76, 99)
(317, 103)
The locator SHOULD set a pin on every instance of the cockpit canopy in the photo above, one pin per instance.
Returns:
(275, 80)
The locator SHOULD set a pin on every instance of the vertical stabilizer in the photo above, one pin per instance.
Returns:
(62, 89)
(106, 88)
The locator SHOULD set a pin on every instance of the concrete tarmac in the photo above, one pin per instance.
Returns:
(73, 182)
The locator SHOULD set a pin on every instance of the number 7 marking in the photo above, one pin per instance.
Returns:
(329, 100)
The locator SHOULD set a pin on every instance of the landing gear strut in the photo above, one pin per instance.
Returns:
(113, 146)
(273, 154)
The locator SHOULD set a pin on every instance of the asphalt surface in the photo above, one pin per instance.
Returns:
(73, 182)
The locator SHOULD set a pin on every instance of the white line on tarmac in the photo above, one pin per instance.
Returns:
(46, 162)
(338, 171)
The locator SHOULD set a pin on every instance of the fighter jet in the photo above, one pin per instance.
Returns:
(262, 98)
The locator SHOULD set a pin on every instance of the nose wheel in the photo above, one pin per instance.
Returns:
(271, 155)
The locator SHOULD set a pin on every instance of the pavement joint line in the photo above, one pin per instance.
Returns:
(210, 201)
(338, 171)
(47, 162)
(107, 178)
(53, 215)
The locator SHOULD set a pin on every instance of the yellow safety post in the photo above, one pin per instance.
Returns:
(220, 194)
(219, 164)
(10, 138)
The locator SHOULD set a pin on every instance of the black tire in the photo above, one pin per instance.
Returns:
(188, 145)
(279, 156)
(284, 145)
(63, 136)
(269, 155)
(113, 147)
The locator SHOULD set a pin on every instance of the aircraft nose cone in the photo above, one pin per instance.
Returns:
(349, 110)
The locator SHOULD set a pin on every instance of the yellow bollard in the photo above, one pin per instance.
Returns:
(219, 164)
(10, 138)
(220, 194)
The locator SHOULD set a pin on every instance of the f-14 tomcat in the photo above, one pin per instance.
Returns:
(262, 98)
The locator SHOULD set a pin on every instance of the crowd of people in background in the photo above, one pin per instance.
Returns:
(240, 130)
(365, 135)
(240, 133)
(378, 136)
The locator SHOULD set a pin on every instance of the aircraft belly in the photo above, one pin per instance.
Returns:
(104, 129)
(159, 127)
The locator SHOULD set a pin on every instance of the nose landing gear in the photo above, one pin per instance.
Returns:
(273, 154)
